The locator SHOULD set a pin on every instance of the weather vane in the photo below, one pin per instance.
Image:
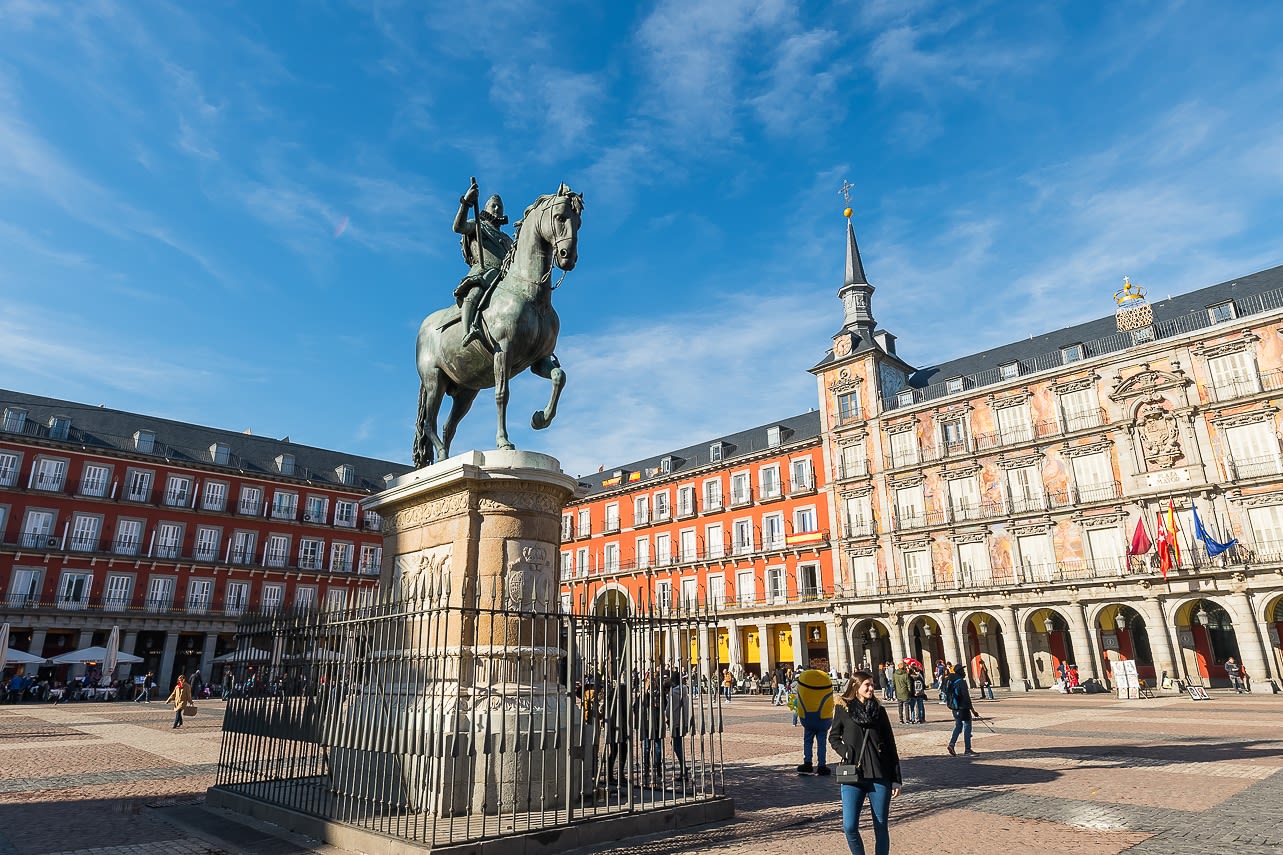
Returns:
(845, 192)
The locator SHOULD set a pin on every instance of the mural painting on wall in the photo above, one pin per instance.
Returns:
(1159, 434)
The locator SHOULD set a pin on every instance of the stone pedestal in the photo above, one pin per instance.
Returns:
(479, 715)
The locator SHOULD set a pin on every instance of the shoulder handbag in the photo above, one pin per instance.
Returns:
(190, 709)
(853, 773)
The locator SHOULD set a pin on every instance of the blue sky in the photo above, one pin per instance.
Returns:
(172, 178)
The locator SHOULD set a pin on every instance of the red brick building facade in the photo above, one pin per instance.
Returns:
(169, 531)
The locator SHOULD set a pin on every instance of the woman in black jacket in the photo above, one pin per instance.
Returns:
(861, 735)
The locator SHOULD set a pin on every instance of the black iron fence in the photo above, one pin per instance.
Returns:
(423, 719)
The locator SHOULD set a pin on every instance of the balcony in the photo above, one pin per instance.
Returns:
(1105, 492)
(1242, 387)
(177, 500)
(770, 492)
(93, 489)
(1257, 467)
(611, 526)
(686, 510)
(247, 509)
(859, 528)
(167, 550)
(285, 513)
(911, 518)
(848, 469)
(742, 498)
(713, 504)
(37, 540)
(802, 487)
(970, 511)
(1085, 420)
(1016, 436)
(47, 483)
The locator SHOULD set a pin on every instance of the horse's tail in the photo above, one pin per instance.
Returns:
(422, 448)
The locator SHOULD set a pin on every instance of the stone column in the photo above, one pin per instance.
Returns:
(164, 677)
(838, 660)
(1017, 660)
(798, 640)
(207, 655)
(1160, 640)
(949, 636)
(86, 639)
(37, 642)
(1252, 646)
(1087, 669)
(127, 645)
(764, 650)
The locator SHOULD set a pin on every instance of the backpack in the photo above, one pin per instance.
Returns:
(918, 687)
(952, 693)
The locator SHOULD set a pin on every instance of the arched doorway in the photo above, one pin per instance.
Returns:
(1274, 631)
(926, 644)
(1206, 633)
(1123, 635)
(1049, 646)
(870, 644)
(985, 642)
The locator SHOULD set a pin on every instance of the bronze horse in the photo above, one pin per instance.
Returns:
(519, 331)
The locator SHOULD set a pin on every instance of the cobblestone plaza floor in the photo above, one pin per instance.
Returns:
(1086, 774)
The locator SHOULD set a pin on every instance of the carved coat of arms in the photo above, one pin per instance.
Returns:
(1159, 435)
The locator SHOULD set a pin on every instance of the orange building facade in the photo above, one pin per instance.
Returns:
(739, 525)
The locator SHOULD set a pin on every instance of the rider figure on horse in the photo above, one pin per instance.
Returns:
(485, 266)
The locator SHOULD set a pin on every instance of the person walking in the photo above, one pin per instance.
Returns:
(681, 721)
(861, 735)
(959, 700)
(728, 684)
(900, 679)
(888, 671)
(181, 698)
(652, 709)
(918, 694)
(983, 681)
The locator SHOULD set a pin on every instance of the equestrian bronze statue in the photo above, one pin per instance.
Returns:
(502, 322)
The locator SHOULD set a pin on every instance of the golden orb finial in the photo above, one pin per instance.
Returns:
(846, 212)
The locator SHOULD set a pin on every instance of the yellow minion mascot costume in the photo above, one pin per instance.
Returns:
(815, 709)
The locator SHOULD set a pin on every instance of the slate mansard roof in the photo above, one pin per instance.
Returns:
(1185, 313)
(743, 444)
(103, 429)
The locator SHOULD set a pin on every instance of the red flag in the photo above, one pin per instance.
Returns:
(1141, 543)
(1164, 547)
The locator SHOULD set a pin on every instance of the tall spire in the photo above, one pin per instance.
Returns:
(854, 266)
(856, 293)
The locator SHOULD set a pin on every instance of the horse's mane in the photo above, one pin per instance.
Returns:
(576, 203)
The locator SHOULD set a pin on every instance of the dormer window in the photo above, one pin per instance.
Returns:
(904, 398)
(59, 427)
(285, 464)
(1222, 312)
(773, 437)
(14, 419)
(220, 453)
(665, 465)
(346, 474)
(1010, 371)
(953, 384)
(1072, 353)
(715, 453)
(145, 441)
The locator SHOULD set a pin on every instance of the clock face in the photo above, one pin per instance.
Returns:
(842, 345)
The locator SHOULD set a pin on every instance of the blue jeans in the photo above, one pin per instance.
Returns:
(963, 726)
(820, 733)
(879, 796)
(918, 709)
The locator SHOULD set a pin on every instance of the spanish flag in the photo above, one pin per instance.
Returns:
(1171, 532)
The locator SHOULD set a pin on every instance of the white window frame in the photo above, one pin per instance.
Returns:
(584, 523)
(715, 540)
(128, 539)
(94, 480)
(138, 485)
(345, 513)
(86, 532)
(918, 572)
(641, 552)
(250, 501)
(975, 563)
(610, 557)
(742, 536)
(687, 545)
(801, 475)
(612, 516)
(741, 488)
(236, 598)
(746, 588)
(276, 551)
(74, 589)
(50, 474)
(663, 549)
(160, 593)
(207, 541)
(311, 553)
(768, 479)
(241, 548)
(713, 499)
(686, 500)
(284, 505)
(371, 560)
(178, 491)
(272, 597)
(117, 591)
(341, 556)
(662, 506)
(316, 509)
(200, 595)
(641, 510)
(214, 496)
(805, 520)
(774, 535)
(777, 591)
(169, 540)
(904, 448)
(26, 587)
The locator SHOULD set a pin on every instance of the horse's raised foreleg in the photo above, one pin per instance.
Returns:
(460, 402)
(549, 369)
(501, 397)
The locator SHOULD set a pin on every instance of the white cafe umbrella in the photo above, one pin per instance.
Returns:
(243, 654)
(21, 657)
(94, 654)
(112, 659)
